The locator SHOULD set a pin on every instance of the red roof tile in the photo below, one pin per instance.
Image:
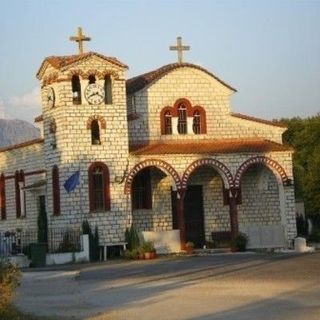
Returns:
(59, 62)
(139, 82)
(21, 145)
(208, 146)
(250, 118)
(38, 118)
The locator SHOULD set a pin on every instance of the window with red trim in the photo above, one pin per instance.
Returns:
(95, 132)
(107, 90)
(141, 194)
(99, 188)
(167, 122)
(20, 194)
(182, 119)
(55, 190)
(196, 125)
(3, 197)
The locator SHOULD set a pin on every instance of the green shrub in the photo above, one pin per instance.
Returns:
(9, 280)
(239, 242)
(93, 240)
(132, 238)
(67, 244)
(148, 246)
(315, 235)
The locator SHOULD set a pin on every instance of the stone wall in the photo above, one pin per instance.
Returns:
(201, 90)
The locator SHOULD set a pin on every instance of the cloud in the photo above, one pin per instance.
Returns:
(30, 99)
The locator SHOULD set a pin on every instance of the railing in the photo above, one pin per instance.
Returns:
(57, 239)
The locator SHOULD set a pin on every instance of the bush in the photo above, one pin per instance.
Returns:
(315, 235)
(132, 238)
(9, 280)
(93, 240)
(148, 246)
(239, 243)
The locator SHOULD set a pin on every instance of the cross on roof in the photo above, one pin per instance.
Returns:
(179, 48)
(80, 38)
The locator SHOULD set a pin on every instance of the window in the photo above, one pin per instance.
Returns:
(182, 119)
(55, 190)
(95, 132)
(20, 194)
(141, 190)
(92, 79)
(167, 123)
(196, 126)
(3, 197)
(107, 90)
(76, 89)
(99, 190)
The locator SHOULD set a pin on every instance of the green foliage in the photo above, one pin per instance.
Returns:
(148, 246)
(304, 136)
(93, 240)
(239, 242)
(132, 238)
(67, 244)
(131, 254)
(9, 280)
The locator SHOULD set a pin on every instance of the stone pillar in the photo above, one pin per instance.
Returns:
(180, 217)
(233, 211)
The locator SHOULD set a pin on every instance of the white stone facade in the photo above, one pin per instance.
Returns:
(266, 189)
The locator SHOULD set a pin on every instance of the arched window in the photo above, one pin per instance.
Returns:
(196, 125)
(107, 90)
(167, 122)
(55, 190)
(99, 189)
(76, 89)
(95, 132)
(182, 119)
(92, 79)
(3, 196)
(141, 194)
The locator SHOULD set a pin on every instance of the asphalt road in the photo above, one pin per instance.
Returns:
(231, 286)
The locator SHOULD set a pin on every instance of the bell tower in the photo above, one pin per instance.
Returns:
(85, 120)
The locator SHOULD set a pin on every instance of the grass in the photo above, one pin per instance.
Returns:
(11, 313)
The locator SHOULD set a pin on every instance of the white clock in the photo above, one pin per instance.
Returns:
(94, 93)
(51, 97)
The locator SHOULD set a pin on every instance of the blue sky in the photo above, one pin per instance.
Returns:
(268, 50)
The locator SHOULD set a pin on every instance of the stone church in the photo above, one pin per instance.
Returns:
(162, 151)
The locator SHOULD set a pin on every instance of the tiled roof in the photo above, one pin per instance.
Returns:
(245, 117)
(59, 62)
(139, 82)
(208, 146)
(21, 145)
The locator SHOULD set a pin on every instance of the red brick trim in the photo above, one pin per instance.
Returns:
(273, 165)
(162, 118)
(21, 145)
(19, 177)
(56, 190)
(263, 121)
(203, 120)
(184, 102)
(106, 185)
(160, 164)
(99, 118)
(217, 165)
(3, 197)
(38, 118)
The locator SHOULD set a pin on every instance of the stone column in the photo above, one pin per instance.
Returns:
(180, 217)
(233, 211)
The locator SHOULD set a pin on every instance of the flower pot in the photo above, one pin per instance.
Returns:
(189, 250)
(147, 255)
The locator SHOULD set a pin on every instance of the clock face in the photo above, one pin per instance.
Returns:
(51, 97)
(94, 93)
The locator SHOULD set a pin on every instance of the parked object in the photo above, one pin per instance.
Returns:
(189, 247)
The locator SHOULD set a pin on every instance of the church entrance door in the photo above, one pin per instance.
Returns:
(193, 214)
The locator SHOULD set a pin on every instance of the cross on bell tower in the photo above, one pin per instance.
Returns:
(80, 38)
(179, 48)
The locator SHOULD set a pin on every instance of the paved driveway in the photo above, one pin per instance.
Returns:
(231, 286)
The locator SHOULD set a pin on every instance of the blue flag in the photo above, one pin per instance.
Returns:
(72, 182)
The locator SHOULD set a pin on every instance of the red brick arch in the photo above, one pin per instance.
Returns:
(99, 118)
(160, 164)
(215, 164)
(273, 165)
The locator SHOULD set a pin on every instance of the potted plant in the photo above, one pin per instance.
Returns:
(149, 250)
(189, 247)
(239, 243)
(141, 253)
